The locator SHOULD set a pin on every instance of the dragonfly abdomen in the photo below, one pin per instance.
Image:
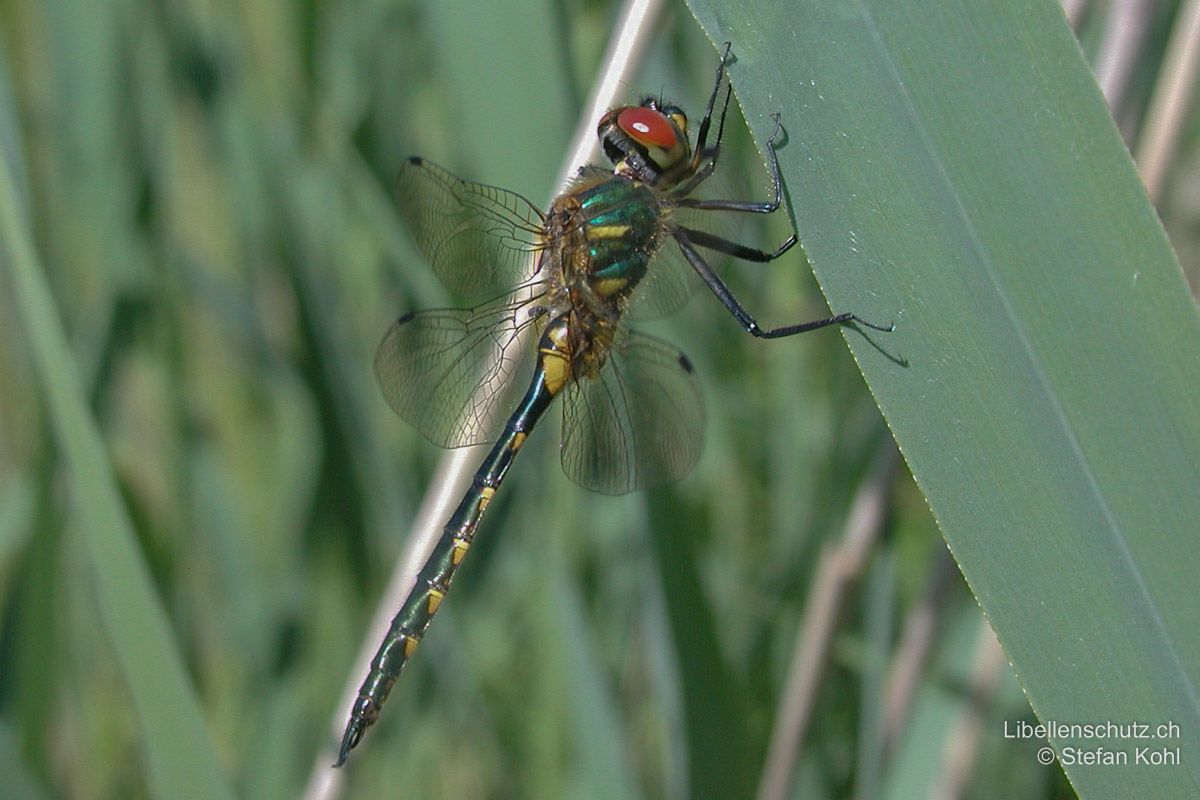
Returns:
(433, 581)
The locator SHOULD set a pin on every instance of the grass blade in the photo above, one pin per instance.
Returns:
(180, 760)
(954, 168)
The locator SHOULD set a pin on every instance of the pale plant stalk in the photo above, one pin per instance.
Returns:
(918, 636)
(633, 34)
(961, 749)
(1124, 34)
(1073, 9)
(1171, 101)
(840, 567)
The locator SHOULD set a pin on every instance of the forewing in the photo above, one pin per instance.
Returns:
(478, 239)
(639, 424)
(449, 372)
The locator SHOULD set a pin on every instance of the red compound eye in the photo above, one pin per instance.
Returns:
(647, 126)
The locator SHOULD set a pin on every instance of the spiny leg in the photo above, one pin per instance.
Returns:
(721, 245)
(764, 207)
(702, 136)
(743, 317)
(704, 158)
(704, 155)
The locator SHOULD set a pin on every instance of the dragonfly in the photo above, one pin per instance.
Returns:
(618, 243)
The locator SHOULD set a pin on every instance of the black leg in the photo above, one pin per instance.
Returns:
(706, 155)
(702, 137)
(698, 177)
(707, 240)
(743, 317)
(721, 124)
(766, 207)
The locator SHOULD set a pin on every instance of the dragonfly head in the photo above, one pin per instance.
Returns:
(647, 142)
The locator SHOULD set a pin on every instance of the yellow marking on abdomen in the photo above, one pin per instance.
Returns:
(433, 601)
(485, 496)
(518, 440)
(557, 370)
(459, 552)
(410, 645)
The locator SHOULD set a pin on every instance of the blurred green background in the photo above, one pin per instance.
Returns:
(207, 186)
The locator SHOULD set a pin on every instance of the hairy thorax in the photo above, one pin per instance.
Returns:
(603, 232)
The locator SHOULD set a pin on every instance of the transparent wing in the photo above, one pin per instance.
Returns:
(478, 239)
(670, 280)
(667, 286)
(639, 424)
(449, 372)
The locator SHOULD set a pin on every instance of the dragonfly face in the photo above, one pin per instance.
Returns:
(647, 142)
(617, 242)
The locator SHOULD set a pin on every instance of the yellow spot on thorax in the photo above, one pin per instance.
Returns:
(609, 287)
(607, 231)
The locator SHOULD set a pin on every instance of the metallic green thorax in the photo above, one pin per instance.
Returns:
(612, 225)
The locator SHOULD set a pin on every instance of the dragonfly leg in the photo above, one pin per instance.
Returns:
(701, 173)
(706, 122)
(748, 322)
(704, 158)
(749, 206)
(707, 240)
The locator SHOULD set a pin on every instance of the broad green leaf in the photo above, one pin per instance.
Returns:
(952, 167)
